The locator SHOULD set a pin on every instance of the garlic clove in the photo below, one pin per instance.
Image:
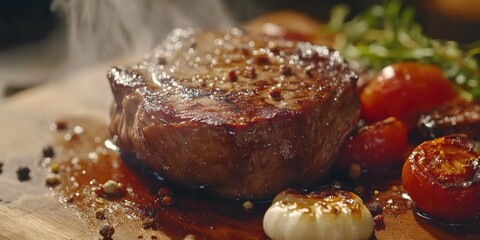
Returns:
(331, 214)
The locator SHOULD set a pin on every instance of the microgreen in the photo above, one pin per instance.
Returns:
(387, 33)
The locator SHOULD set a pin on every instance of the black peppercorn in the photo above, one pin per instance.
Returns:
(106, 231)
(23, 174)
(375, 208)
(47, 152)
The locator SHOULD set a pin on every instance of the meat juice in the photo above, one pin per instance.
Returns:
(86, 158)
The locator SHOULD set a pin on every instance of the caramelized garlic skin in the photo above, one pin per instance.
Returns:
(331, 214)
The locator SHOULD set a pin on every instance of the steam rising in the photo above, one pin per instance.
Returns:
(102, 29)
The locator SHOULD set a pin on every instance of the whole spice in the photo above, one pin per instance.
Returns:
(23, 174)
(232, 75)
(55, 168)
(100, 214)
(375, 208)
(247, 205)
(286, 71)
(60, 125)
(47, 152)
(167, 201)
(52, 179)
(275, 94)
(379, 221)
(164, 191)
(110, 187)
(106, 231)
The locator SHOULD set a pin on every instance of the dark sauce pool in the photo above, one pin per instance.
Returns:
(86, 159)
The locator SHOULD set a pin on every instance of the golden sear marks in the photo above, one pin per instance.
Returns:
(333, 202)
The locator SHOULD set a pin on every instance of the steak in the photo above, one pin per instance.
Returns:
(243, 115)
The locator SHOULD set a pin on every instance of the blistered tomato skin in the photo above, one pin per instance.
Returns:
(442, 177)
(377, 146)
(404, 90)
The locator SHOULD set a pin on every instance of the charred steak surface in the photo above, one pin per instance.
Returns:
(244, 115)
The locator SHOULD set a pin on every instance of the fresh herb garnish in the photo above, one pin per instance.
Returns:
(387, 33)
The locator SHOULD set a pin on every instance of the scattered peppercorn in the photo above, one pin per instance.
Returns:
(140, 236)
(275, 94)
(47, 152)
(247, 205)
(60, 125)
(1, 166)
(162, 61)
(379, 221)
(55, 168)
(286, 71)
(110, 187)
(164, 191)
(100, 214)
(106, 231)
(153, 237)
(52, 179)
(375, 208)
(167, 200)
(23, 174)
(262, 59)
(232, 75)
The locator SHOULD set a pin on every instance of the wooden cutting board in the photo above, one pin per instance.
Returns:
(29, 211)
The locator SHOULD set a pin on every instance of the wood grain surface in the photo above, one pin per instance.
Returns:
(27, 209)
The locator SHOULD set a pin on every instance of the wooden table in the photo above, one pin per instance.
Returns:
(28, 209)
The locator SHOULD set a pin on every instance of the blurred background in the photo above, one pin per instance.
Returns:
(40, 40)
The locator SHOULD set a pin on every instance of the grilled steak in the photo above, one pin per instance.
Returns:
(244, 115)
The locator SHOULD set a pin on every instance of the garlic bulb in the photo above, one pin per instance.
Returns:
(331, 214)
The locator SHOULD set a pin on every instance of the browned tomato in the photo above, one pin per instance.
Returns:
(456, 117)
(442, 177)
(377, 146)
(403, 90)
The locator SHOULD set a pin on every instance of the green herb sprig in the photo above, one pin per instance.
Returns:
(387, 33)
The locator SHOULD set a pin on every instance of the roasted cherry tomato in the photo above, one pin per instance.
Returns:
(456, 117)
(442, 177)
(404, 90)
(377, 146)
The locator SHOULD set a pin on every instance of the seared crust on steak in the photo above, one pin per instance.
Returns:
(245, 115)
